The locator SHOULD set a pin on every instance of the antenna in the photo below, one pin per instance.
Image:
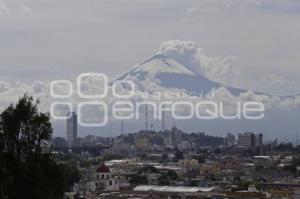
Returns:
(163, 122)
(146, 118)
(110, 128)
(151, 126)
(122, 127)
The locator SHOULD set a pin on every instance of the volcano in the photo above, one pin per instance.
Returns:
(162, 72)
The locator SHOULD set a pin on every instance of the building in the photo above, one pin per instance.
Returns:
(210, 168)
(259, 142)
(246, 139)
(189, 164)
(104, 179)
(100, 178)
(174, 189)
(186, 146)
(71, 130)
(174, 136)
(59, 142)
(229, 140)
(89, 139)
(251, 140)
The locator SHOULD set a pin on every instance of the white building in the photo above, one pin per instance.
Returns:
(104, 179)
(98, 179)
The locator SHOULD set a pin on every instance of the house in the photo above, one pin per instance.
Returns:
(100, 178)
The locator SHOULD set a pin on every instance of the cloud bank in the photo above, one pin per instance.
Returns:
(220, 69)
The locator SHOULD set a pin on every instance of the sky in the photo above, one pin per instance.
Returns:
(250, 44)
(50, 39)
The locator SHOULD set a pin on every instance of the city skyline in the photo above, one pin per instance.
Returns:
(249, 45)
(139, 99)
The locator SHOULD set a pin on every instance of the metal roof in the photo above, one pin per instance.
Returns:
(176, 189)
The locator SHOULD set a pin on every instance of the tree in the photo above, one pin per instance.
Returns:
(172, 175)
(217, 151)
(179, 155)
(27, 170)
(138, 179)
(284, 147)
(143, 156)
(59, 143)
(164, 158)
(112, 156)
(200, 158)
(145, 170)
(71, 172)
(163, 180)
(292, 168)
(296, 161)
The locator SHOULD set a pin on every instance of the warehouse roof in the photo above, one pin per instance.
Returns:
(175, 189)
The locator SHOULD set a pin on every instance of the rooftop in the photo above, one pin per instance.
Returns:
(175, 189)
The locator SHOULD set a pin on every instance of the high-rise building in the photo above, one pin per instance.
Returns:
(246, 139)
(251, 140)
(175, 136)
(229, 140)
(71, 130)
(259, 142)
(89, 139)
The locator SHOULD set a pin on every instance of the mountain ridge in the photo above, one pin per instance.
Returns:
(168, 73)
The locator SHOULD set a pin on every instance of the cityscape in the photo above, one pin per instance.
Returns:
(171, 163)
(149, 99)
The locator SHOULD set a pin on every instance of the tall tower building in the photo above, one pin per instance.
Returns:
(146, 118)
(71, 130)
(259, 143)
(163, 121)
(229, 140)
(246, 139)
(175, 136)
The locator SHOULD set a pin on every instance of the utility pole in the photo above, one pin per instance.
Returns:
(122, 127)
(163, 122)
(146, 118)
(297, 137)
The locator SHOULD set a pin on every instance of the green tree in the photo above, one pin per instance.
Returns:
(292, 168)
(147, 169)
(163, 180)
(172, 175)
(112, 156)
(138, 179)
(164, 158)
(27, 169)
(178, 155)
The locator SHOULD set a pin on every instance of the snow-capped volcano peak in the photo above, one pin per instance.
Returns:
(162, 64)
(161, 71)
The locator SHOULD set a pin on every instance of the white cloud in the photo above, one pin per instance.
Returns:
(218, 7)
(184, 52)
(4, 86)
(221, 69)
(274, 79)
(3, 8)
(232, 7)
(39, 87)
(11, 6)
(11, 93)
(227, 69)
